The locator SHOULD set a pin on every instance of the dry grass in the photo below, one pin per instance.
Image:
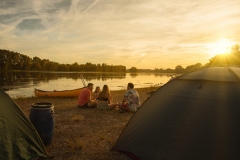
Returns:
(86, 134)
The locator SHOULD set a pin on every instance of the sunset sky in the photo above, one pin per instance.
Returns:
(140, 33)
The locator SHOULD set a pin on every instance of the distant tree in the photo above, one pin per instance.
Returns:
(169, 70)
(13, 60)
(90, 67)
(193, 67)
(27, 62)
(179, 69)
(44, 64)
(4, 60)
(235, 50)
(52, 66)
(99, 68)
(104, 67)
(62, 67)
(36, 64)
(198, 65)
(233, 58)
(67, 66)
(74, 67)
(20, 63)
(161, 70)
(133, 69)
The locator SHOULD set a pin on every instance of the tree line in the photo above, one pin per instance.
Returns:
(227, 59)
(10, 60)
(177, 69)
(232, 58)
(15, 61)
(180, 69)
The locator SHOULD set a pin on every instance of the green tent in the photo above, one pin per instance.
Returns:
(19, 139)
(192, 117)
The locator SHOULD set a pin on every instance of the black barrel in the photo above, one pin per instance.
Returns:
(41, 115)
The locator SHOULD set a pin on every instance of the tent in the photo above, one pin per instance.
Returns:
(195, 116)
(18, 137)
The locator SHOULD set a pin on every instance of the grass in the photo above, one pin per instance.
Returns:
(86, 134)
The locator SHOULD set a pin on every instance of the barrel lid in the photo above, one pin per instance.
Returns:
(42, 105)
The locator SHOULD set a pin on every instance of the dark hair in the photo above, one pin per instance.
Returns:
(90, 84)
(131, 85)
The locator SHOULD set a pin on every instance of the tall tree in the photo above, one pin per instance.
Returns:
(36, 64)
(235, 50)
(133, 69)
(179, 69)
(27, 62)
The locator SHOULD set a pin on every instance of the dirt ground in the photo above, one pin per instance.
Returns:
(84, 134)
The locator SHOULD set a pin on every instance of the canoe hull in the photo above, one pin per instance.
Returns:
(65, 93)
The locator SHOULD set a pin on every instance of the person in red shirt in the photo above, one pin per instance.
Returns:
(85, 98)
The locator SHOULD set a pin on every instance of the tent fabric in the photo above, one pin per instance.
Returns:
(195, 116)
(19, 139)
(219, 74)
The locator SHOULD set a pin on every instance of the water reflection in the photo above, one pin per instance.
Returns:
(13, 80)
(23, 83)
(133, 75)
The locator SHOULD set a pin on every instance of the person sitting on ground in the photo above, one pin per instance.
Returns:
(104, 99)
(131, 100)
(96, 92)
(85, 100)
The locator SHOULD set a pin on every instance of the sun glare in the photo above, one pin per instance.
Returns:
(219, 47)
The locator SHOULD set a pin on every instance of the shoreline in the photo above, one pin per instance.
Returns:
(112, 91)
(152, 71)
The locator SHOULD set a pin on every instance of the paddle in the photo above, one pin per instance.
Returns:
(81, 76)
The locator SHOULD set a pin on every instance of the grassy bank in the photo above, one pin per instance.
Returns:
(86, 134)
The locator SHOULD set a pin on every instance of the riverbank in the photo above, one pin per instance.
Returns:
(86, 134)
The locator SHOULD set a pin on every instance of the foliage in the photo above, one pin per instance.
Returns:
(15, 61)
(193, 67)
(232, 58)
(180, 69)
(133, 69)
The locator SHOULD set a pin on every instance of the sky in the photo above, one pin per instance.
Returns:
(146, 34)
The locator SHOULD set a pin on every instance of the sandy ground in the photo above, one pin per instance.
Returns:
(86, 134)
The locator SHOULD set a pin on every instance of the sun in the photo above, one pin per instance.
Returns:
(222, 46)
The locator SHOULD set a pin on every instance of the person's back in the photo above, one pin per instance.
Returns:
(132, 99)
(104, 99)
(104, 96)
(83, 97)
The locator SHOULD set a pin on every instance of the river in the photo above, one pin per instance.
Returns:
(22, 84)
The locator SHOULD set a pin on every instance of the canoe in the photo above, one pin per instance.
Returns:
(64, 93)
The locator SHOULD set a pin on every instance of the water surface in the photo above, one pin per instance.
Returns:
(18, 84)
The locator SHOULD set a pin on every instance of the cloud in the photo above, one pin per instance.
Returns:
(93, 4)
(147, 33)
(30, 24)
